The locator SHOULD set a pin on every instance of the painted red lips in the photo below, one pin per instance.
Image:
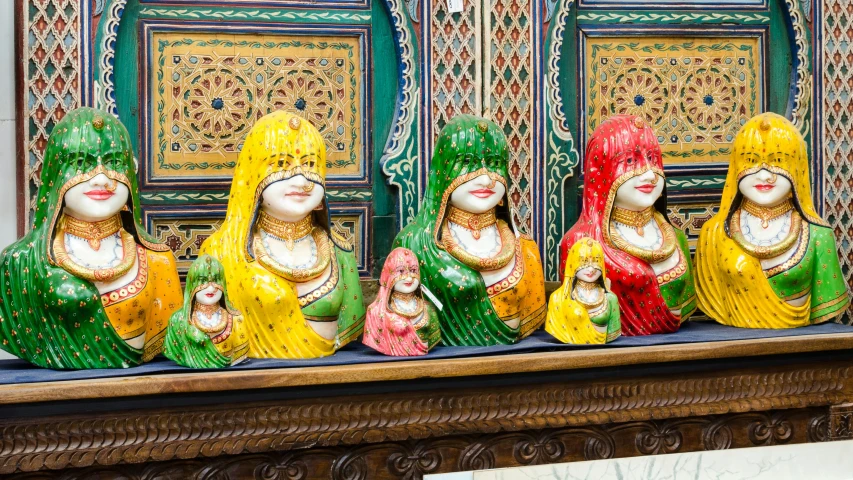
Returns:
(99, 195)
(483, 193)
(647, 188)
(764, 187)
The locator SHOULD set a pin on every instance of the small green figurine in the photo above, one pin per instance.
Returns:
(207, 332)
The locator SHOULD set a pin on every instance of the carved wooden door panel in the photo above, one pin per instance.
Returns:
(189, 81)
(695, 70)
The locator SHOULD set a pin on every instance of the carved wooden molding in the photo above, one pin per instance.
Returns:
(411, 460)
(144, 436)
(841, 422)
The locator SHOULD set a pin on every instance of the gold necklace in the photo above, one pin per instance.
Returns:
(769, 251)
(473, 222)
(298, 275)
(287, 232)
(208, 311)
(589, 287)
(93, 274)
(766, 214)
(93, 232)
(633, 219)
(500, 260)
(406, 297)
(665, 251)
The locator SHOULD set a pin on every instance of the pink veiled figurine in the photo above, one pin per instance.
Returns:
(400, 322)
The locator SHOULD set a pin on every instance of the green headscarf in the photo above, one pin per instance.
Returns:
(186, 344)
(48, 316)
(467, 147)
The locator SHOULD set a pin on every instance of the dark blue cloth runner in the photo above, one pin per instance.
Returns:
(18, 371)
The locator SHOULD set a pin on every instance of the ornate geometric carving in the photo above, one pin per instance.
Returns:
(108, 438)
(690, 217)
(411, 460)
(834, 120)
(695, 92)
(184, 235)
(207, 90)
(51, 70)
(841, 422)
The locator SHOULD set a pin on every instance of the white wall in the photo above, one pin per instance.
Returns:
(8, 209)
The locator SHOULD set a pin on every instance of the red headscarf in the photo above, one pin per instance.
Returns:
(622, 147)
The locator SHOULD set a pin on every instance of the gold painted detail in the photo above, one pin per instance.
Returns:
(673, 273)
(649, 256)
(589, 288)
(694, 92)
(769, 251)
(92, 232)
(208, 89)
(287, 232)
(500, 260)
(93, 274)
(767, 214)
(634, 219)
(296, 275)
(473, 222)
(133, 288)
(407, 297)
(323, 289)
(208, 311)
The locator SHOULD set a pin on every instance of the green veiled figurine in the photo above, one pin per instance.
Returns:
(485, 273)
(207, 332)
(87, 287)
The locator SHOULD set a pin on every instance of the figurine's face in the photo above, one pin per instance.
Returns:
(209, 296)
(765, 188)
(640, 192)
(97, 199)
(293, 199)
(478, 195)
(407, 285)
(588, 274)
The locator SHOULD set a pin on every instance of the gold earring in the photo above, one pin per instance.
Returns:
(501, 203)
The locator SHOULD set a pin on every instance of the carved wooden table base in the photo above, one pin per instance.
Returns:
(488, 422)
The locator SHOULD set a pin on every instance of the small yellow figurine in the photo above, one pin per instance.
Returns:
(583, 310)
(766, 259)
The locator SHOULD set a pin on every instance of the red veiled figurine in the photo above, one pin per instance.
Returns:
(400, 322)
(624, 208)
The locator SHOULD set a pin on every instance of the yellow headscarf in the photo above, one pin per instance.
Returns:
(730, 284)
(568, 320)
(279, 146)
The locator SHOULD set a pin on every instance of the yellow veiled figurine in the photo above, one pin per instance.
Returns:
(766, 260)
(583, 310)
(292, 277)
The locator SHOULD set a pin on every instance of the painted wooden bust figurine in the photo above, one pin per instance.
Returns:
(401, 322)
(766, 259)
(294, 280)
(583, 310)
(487, 275)
(624, 208)
(87, 287)
(207, 332)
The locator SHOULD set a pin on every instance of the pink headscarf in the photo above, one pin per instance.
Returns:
(385, 330)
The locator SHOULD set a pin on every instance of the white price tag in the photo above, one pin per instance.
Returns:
(432, 298)
(454, 6)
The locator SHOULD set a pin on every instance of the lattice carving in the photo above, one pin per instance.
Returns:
(510, 101)
(456, 64)
(51, 70)
(837, 115)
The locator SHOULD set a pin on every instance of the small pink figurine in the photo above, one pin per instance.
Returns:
(400, 322)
